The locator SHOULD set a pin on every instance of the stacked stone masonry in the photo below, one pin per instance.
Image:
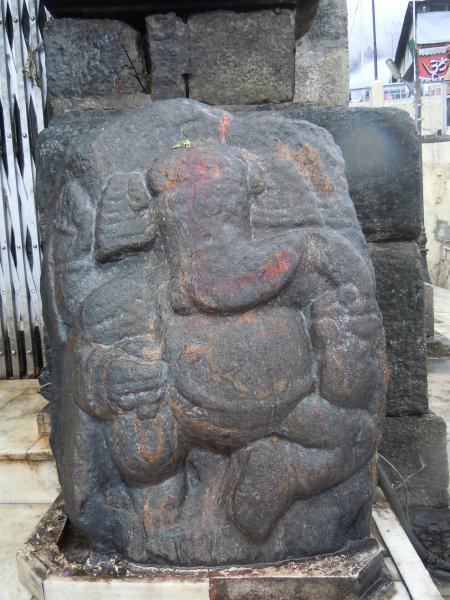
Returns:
(218, 57)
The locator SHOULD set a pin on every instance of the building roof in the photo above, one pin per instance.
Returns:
(421, 5)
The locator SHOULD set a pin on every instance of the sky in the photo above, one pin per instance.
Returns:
(389, 15)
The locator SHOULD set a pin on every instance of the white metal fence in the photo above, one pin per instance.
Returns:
(22, 102)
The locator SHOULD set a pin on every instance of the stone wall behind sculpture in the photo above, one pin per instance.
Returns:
(223, 57)
(321, 64)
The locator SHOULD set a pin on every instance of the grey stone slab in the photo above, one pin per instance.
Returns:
(416, 446)
(321, 67)
(321, 77)
(167, 43)
(330, 21)
(245, 58)
(401, 300)
(381, 150)
(89, 58)
(432, 527)
(438, 345)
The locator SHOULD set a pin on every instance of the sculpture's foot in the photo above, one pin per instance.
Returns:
(264, 490)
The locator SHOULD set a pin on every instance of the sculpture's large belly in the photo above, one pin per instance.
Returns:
(243, 371)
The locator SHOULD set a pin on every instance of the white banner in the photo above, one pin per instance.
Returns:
(433, 27)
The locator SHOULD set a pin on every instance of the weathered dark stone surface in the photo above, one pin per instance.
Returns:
(416, 446)
(80, 108)
(246, 58)
(136, 12)
(217, 377)
(386, 189)
(401, 300)
(346, 576)
(168, 50)
(432, 527)
(89, 58)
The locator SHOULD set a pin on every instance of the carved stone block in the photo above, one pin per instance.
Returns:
(416, 446)
(246, 58)
(92, 58)
(218, 371)
(168, 51)
(401, 299)
(321, 67)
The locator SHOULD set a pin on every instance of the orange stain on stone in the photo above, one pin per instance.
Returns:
(310, 165)
(224, 125)
(248, 318)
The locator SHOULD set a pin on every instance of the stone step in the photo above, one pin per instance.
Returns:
(27, 468)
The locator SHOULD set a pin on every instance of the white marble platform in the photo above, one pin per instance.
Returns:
(17, 522)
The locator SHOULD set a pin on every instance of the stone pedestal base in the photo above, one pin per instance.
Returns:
(55, 564)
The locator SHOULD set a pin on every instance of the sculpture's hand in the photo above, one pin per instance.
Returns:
(123, 378)
(136, 384)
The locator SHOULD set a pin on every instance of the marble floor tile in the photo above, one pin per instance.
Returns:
(57, 588)
(17, 521)
(40, 450)
(28, 480)
(11, 388)
(18, 425)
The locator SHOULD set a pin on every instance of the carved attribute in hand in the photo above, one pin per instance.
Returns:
(217, 351)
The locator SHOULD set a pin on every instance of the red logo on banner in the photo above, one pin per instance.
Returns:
(433, 67)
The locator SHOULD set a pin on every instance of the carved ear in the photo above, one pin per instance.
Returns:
(125, 221)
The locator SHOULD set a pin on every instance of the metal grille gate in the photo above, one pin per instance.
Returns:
(22, 104)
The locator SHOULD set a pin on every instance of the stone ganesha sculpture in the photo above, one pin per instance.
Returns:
(217, 345)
